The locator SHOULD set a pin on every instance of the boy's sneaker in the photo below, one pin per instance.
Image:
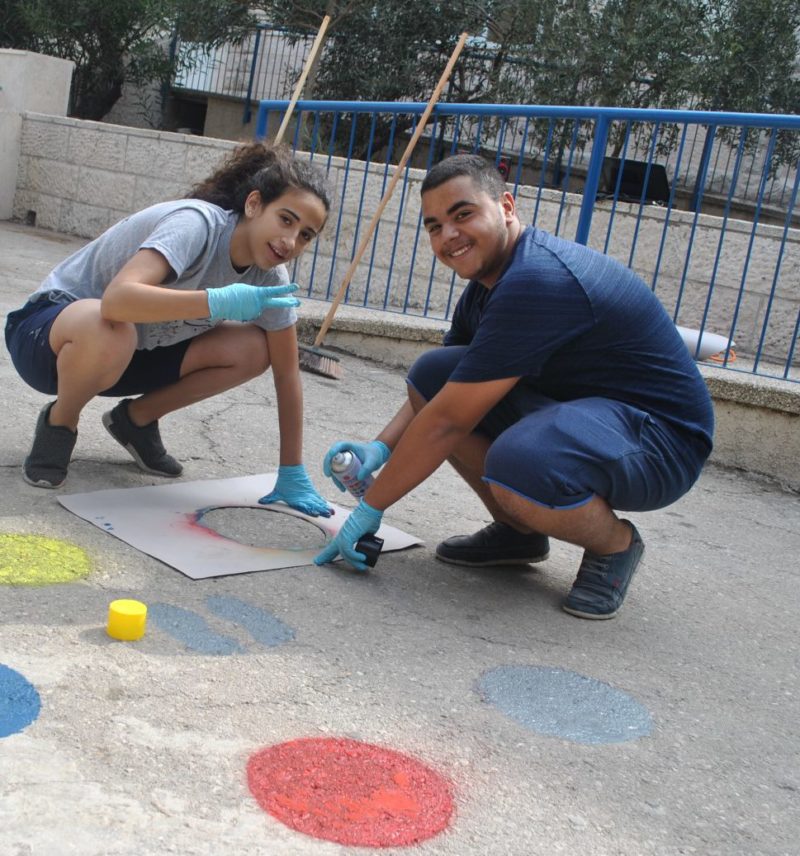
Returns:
(144, 444)
(48, 461)
(495, 544)
(602, 581)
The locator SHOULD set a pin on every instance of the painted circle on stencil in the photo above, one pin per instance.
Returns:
(263, 527)
(19, 702)
(564, 704)
(33, 560)
(350, 792)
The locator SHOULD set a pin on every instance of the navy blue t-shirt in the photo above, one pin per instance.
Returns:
(574, 323)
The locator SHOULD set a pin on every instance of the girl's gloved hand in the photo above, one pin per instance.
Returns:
(242, 302)
(373, 456)
(365, 520)
(294, 487)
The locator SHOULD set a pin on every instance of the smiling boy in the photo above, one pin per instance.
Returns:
(563, 394)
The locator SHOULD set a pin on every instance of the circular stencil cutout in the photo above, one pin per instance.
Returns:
(565, 704)
(32, 560)
(19, 702)
(350, 792)
(265, 527)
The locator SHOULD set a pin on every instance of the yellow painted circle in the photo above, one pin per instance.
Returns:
(32, 560)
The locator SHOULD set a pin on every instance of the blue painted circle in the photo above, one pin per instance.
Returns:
(19, 702)
(565, 704)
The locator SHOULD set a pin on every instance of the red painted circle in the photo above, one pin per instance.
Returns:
(350, 792)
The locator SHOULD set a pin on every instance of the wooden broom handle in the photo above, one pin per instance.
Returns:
(390, 189)
(312, 54)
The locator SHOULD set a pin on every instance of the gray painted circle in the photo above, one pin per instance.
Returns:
(564, 704)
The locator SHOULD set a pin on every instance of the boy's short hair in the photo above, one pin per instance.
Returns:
(482, 172)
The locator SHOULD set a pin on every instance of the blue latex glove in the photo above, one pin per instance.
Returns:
(373, 456)
(365, 520)
(295, 489)
(242, 302)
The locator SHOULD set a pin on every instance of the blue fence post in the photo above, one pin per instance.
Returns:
(592, 179)
(262, 120)
(705, 160)
(248, 112)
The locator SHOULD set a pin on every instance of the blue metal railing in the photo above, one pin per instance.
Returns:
(727, 263)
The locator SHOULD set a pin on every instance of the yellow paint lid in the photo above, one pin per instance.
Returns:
(126, 620)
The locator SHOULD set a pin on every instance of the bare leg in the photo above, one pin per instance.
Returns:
(92, 353)
(468, 460)
(220, 359)
(593, 526)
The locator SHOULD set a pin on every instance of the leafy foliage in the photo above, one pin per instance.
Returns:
(114, 42)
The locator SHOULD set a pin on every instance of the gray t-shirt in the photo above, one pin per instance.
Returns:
(194, 237)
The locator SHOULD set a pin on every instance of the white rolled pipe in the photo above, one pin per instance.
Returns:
(710, 343)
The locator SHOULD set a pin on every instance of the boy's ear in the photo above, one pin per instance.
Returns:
(508, 205)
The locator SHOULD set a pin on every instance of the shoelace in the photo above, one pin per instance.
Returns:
(593, 574)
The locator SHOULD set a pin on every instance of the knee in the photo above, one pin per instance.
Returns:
(253, 354)
(432, 370)
(115, 341)
(516, 471)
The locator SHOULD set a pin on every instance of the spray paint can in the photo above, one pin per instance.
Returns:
(345, 466)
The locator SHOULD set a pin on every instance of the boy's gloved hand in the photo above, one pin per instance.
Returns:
(373, 456)
(242, 302)
(294, 487)
(365, 520)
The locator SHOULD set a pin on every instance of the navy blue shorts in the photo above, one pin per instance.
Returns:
(28, 342)
(561, 454)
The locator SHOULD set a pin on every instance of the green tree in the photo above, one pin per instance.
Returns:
(750, 59)
(395, 50)
(115, 42)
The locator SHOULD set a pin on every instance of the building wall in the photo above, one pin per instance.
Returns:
(28, 81)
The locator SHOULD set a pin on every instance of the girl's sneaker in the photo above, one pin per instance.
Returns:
(48, 461)
(142, 443)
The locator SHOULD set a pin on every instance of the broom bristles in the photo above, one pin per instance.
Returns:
(320, 362)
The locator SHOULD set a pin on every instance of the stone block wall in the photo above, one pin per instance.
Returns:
(80, 177)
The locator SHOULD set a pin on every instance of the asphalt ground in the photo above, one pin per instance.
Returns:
(672, 729)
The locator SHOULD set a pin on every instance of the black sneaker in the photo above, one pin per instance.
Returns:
(602, 581)
(144, 444)
(495, 544)
(48, 461)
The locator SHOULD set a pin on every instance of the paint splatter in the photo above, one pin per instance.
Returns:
(32, 560)
(261, 625)
(564, 704)
(191, 630)
(353, 793)
(19, 702)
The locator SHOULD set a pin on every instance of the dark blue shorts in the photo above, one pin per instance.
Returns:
(28, 342)
(561, 454)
